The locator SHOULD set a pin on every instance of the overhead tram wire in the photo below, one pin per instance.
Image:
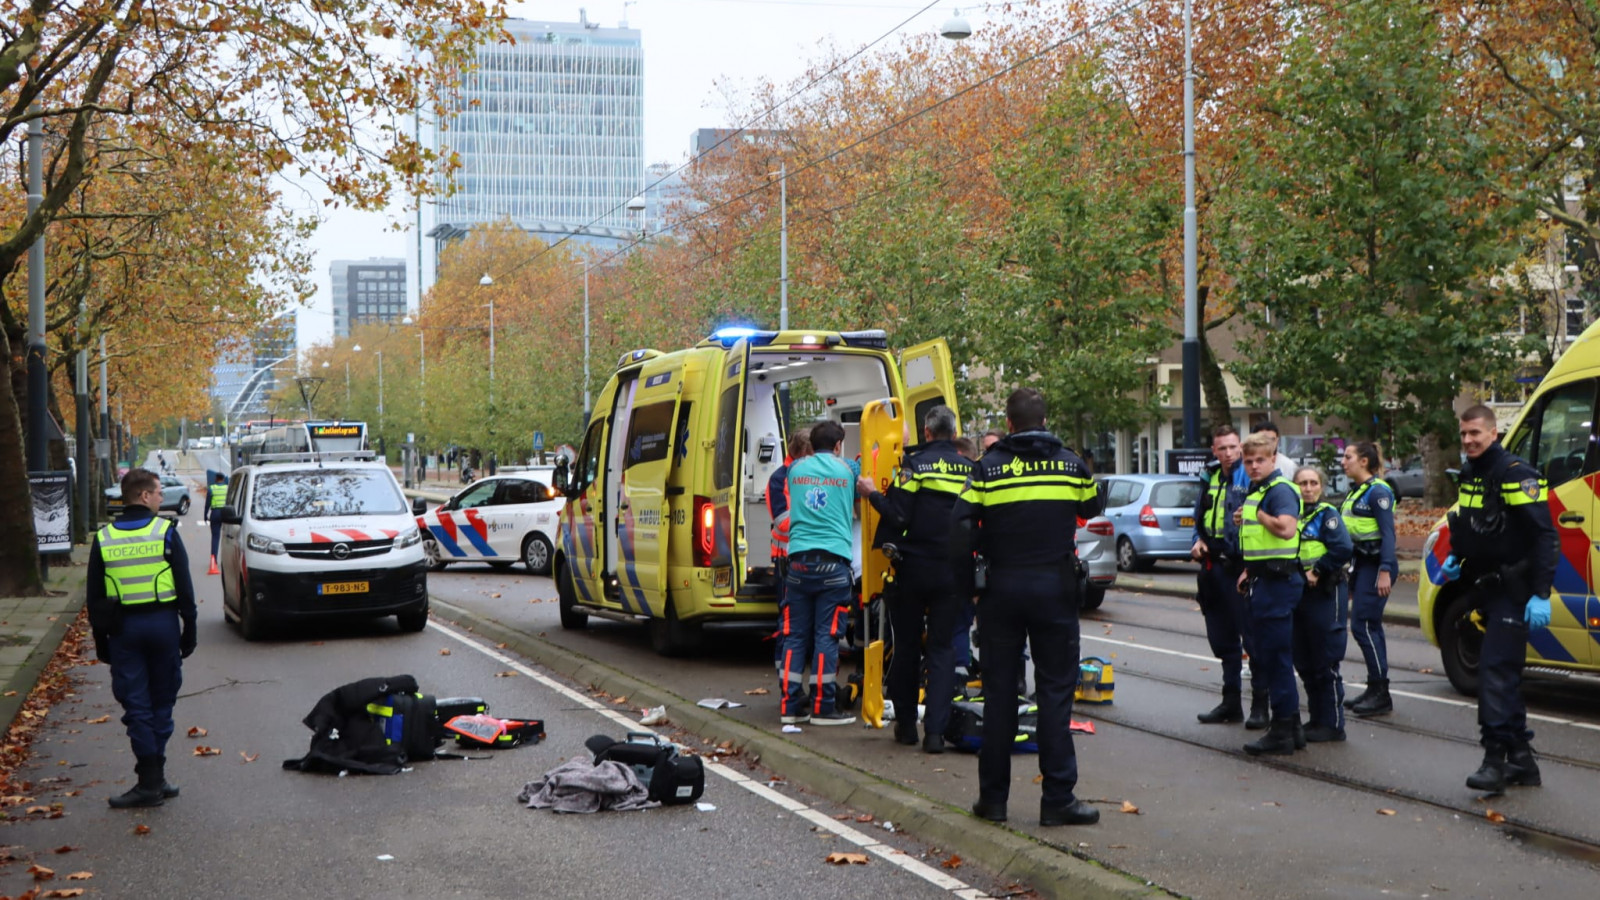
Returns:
(734, 132)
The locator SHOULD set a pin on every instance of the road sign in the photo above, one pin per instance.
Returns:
(538, 442)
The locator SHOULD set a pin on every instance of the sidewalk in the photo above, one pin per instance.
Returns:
(1178, 580)
(31, 628)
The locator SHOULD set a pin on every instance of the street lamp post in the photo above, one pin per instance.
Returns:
(486, 281)
(422, 359)
(586, 406)
(379, 354)
(1191, 305)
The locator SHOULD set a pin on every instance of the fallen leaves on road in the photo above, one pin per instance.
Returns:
(509, 673)
(100, 721)
(1426, 670)
(36, 809)
(80, 876)
(64, 848)
(203, 750)
(444, 651)
(141, 829)
(620, 701)
(757, 692)
(197, 732)
(1385, 812)
(843, 817)
(494, 596)
(500, 646)
(1038, 779)
(249, 757)
(62, 892)
(10, 693)
(1491, 815)
(40, 873)
(1129, 808)
(864, 818)
(954, 862)
(845, 859)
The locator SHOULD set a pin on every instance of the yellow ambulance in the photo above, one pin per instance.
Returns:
(1556, 433)
(666, 517)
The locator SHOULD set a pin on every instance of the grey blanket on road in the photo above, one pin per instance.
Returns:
(582, 786)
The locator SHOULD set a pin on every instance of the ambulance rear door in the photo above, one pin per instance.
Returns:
(930, 381)
(725, 544)
(645, 514)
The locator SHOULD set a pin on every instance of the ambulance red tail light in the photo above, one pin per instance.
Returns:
(1147, 517)
(705, 531)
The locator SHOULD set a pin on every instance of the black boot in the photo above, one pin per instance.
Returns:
(1075, 813)
(1229, 710)
(168, 789)
(1278, 741)
(905, 732)
(1376, 703)
(1521, 770)
(1260, 711)
(1299, 734)
(147, 792)
(1318, 733)
(1491, 776)
(1350, 702)
(933, 743)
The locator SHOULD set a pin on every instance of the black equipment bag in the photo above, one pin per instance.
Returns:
(965, 729)
(447, 708)
(670, 778)
(410, 721)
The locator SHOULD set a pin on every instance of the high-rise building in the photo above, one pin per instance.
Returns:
(247, 375)
(549, 130)
(367, 291)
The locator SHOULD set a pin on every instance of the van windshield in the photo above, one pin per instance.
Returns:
(325, 492)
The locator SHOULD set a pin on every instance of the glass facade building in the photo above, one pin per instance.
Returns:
(367, 291)
(549, 131)
(244, 379)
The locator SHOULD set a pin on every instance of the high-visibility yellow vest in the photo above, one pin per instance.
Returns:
(218, 495)
(1311, 550)
(1216, 521)
(1256, 543)
(137, 571)
(1363, 526)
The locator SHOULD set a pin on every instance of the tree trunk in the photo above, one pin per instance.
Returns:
(1439, 491)
(19, 556)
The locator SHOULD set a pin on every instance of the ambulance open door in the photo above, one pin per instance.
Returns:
(722, 544)
(646, 513)
(930, 381)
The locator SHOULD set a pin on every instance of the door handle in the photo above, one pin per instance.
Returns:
(1571, 518)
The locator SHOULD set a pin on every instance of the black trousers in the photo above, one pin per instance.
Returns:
(925, 591)
(1039, 607)
(1228, 630)
(1502, 715)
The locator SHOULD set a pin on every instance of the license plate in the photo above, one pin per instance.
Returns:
(343, 587)
(1186, 522)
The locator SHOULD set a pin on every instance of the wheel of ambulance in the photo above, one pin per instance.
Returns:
(1460, 642)
(415, 620)
(1093, 596)
(252, 626)
(183, 507)
(536, 553)
(670, 636)
(1127, 557)
(436, 560)
(572, 618)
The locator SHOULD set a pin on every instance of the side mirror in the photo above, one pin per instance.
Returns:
(418, 506)
(229, 515)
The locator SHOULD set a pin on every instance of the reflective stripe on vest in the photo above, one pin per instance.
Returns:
(137, 570)
(218, 494)
(1255, 541)
(780, 537)
(1216, 521)
(1311, 549)
(1363, 526)
(1512, 493)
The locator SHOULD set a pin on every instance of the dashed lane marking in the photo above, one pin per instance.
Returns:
(826, 822)
(1445, 701)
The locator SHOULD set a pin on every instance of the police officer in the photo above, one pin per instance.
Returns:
(142, 613)
(1020, 511)
(1216, 548)
(1369, 514)
(1504, 546)
(1269, 542)
(916, 518)
(216, 498)
(1319, 620)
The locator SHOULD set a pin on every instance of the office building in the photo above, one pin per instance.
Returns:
(550, 134)
(247, 375)
(367, 291)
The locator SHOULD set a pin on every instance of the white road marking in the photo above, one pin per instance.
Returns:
(855, 836)
(1445, 701)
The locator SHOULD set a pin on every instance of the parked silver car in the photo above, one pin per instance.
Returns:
(1095, 550)
(174, 496)
(1152, 517)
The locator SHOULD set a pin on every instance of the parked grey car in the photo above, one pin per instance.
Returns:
(1096, 551)
(1406, 479)
(1152, 517)
(174, 496)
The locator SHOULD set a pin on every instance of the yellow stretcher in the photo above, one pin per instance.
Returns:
(882, 442)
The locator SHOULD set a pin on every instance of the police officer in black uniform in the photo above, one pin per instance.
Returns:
(1019, 511)
(916, 519)
(1504, 547)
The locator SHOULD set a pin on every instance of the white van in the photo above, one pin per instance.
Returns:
(306, 537)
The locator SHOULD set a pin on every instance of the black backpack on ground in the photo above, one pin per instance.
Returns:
(377, 726)
(671, 779)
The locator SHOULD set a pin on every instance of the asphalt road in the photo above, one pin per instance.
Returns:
(246, 828)
(1385, 814)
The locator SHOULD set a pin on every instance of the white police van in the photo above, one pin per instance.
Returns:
(309, 535)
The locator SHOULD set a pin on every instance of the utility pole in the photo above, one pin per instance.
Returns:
(38, 449)
(783, 246)
(1191, 302)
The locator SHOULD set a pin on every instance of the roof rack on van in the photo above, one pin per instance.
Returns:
(316, 456)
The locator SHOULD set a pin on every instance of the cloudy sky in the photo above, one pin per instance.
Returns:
(696, 54)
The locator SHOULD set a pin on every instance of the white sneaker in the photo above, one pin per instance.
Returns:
(794, 720)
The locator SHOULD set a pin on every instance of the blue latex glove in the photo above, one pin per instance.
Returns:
(1537, 615)
(1450, 569)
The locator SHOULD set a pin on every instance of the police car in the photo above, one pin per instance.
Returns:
(306, 537)
(497, 520)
